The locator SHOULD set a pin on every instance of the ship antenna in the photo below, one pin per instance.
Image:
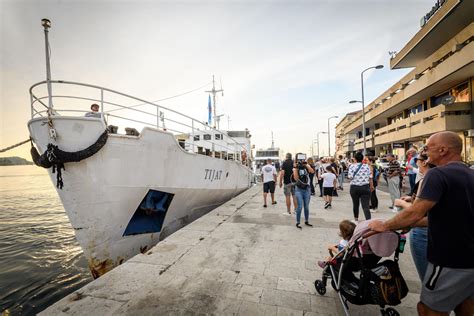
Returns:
(214, 92)
(273, 143)
(46, 25)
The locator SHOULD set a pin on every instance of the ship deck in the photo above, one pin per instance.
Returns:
(240, 258)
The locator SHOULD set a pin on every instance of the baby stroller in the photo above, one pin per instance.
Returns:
(378, 283)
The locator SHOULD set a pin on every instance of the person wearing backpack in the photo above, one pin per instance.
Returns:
(301, 173)
(361, 185)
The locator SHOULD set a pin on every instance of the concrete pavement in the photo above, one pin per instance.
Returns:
(240, 259)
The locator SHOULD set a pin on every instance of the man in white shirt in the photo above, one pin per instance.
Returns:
(269, 177)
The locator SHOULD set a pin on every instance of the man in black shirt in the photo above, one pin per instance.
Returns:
(285, 178)
(447, 196)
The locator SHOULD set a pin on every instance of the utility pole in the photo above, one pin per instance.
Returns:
(214, 92)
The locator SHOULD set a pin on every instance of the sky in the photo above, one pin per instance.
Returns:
(285, 66)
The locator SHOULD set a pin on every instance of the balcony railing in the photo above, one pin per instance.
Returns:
(443, 117)
(456, 116)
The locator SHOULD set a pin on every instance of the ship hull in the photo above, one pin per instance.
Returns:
(105, 196)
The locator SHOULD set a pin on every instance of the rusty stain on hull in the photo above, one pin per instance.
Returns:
(100, 267)
(143, 249)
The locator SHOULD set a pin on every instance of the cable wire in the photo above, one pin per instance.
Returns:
(174, 96)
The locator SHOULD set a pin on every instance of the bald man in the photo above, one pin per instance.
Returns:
(447, 197)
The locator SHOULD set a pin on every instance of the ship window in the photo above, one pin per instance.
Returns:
(150, 213)
(196, 138)
(207, 137)
(218, 136)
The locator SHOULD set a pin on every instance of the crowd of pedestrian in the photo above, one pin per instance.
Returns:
(438, 211)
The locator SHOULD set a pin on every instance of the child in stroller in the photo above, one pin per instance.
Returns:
(378, 283)
(346, 230)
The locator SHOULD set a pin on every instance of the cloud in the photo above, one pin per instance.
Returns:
(286, 66)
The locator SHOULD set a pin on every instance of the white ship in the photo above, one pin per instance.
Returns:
(129, 191)
(262, 156)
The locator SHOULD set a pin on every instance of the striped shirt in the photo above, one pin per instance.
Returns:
(362, 177)
(393, 166)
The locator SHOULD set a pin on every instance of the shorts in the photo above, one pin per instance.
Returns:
(328, 191)
(445, 288)
(289, 189)
(269, 186)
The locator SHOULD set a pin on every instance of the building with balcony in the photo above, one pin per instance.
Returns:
(435, 96)
(345, 141)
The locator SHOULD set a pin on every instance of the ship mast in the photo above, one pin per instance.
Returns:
(273, 143)
(214, 92)
(46, 25)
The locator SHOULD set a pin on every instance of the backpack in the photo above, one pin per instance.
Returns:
(344, 166)
(376, 174)
(303, 182)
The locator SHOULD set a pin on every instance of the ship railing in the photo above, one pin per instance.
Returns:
(126, 111)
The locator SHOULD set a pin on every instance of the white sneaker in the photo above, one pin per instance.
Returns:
(355, 221)
(373, 211)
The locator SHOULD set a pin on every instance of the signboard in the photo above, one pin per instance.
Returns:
(447, 100)
(398, 145)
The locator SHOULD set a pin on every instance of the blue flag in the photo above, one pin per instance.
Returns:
(209, 108)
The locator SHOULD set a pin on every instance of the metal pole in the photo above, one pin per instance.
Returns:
(214, 98)
(31, 105)
(329, 133)
(363, 103)
(319, 157)
(363, 112)
(157, 117)
(102, 100)
(318, 142)
(192, 126)
(329, 140)
(46, 25)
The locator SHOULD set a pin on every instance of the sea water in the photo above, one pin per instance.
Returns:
(40, 259)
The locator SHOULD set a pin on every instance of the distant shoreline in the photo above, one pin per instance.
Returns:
(14, 161)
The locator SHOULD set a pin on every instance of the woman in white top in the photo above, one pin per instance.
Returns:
(329, 185)
(361, 185)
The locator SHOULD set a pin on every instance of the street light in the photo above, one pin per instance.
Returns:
(363, 105)
(318, 141)
(312, 146)
(329, 136)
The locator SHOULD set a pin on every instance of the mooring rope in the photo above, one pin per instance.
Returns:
(13, 146)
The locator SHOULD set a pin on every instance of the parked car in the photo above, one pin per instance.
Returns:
(382, 163)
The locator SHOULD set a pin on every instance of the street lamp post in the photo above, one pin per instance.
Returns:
(318, 142)
(363, 105)
(329, 135)
(312, 147)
